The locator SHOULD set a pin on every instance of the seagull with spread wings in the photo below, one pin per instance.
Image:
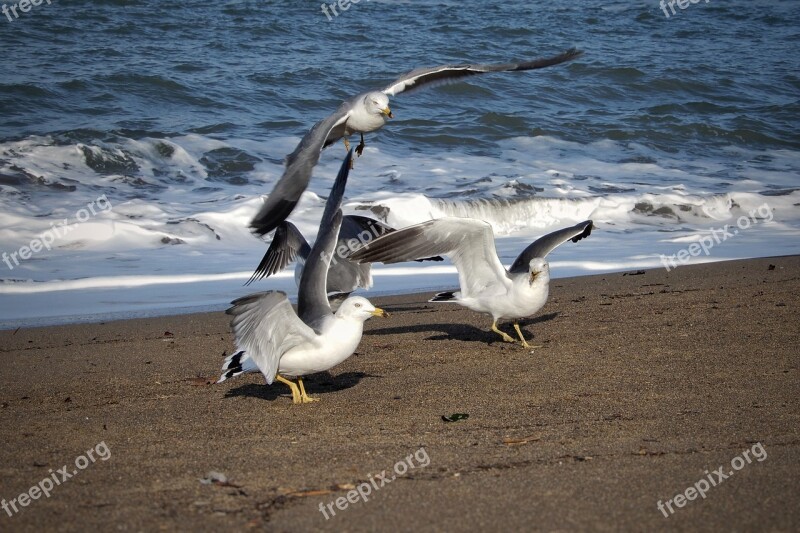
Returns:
(344, 276)
(288, 245)
(362, 114)
(281, 344)
(486, 286)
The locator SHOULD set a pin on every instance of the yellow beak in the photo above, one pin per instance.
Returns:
(388, 112)
(534, 275)
(380, 312)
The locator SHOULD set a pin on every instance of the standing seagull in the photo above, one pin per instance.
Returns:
(272, 339)
(486, 286)
(361, 114)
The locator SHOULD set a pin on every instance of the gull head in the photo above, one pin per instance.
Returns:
(539, 270)
(359, 308)
(377, 103)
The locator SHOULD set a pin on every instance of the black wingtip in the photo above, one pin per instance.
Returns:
(563, 57)
(569, 55)
(232, 366)
(269, 218)
(266, 266)
(260, 273)
(443, 297)
(585, 233)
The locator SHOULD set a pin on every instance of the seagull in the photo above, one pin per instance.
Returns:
(486, 286)
(281, 344)
(344, 276)
(362, 114)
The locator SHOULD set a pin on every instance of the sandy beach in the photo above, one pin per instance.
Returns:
(645, 383)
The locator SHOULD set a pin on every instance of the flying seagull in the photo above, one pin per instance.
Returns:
(281, 344)
(361, 114)
(486, 286)
(344, 276)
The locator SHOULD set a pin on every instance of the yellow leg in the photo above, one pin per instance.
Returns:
(296, 398)
(506, 337)
(303, 396)
(524, 343)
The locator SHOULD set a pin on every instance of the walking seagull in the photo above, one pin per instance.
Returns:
(361, 114)
(272, 338)
(486, 286)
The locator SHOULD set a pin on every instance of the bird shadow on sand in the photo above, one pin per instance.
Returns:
(465, 332)
(315, 384)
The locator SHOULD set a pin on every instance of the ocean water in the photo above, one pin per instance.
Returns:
(137, 138)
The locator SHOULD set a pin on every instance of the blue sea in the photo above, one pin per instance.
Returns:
(138, 138)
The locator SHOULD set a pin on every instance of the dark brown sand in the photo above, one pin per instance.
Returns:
(643, 383)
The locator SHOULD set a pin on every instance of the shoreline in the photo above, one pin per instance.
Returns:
(283, 285)
(643, 381)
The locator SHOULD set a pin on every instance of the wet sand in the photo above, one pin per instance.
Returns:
(643, 382)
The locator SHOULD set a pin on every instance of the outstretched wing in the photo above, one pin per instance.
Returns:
(265, 327)
(299, 165)
(354, 226)
(444, 74)
(544, 245)
(287, 244)
(469, 243)
(312, 296)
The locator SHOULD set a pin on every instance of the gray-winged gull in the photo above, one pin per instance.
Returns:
(486, 286)
(344, 276)
(272, 338)
(364, 113)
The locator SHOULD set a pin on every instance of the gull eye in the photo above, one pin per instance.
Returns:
(357, 305)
